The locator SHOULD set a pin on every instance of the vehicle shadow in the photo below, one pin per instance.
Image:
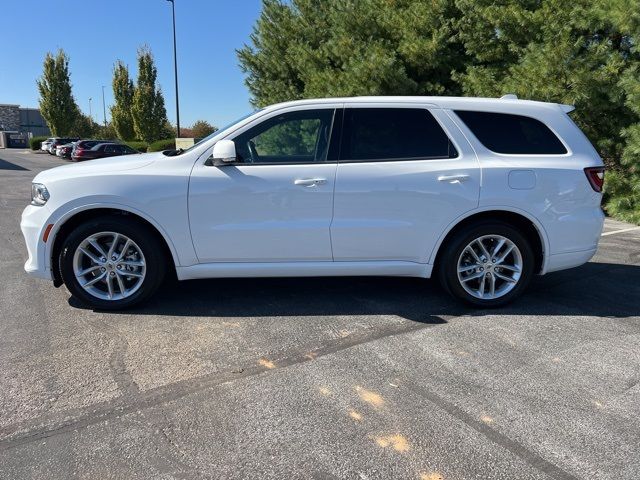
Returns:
(593, 289)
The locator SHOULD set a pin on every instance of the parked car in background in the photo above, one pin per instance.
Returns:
(44, 146)
(88, 144)
(480, 193)
(103, 150)
(64, 151)
(59, 141)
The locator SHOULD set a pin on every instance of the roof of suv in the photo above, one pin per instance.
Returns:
(508, 102)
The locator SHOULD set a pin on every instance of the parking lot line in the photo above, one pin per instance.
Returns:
(620, 231)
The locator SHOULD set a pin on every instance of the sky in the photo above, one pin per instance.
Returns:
(96, 33)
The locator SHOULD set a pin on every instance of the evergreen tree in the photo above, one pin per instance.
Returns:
(121, 111)
(57, 105)
(306, 48)
(149, 114)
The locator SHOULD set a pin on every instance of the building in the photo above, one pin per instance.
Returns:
(31, 121)
(13, 118)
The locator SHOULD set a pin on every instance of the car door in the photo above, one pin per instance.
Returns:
(111, 150)
(275, 203)
(404, 174)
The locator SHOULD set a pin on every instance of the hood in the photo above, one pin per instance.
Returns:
(97, 167)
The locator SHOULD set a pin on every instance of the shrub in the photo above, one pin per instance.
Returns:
(139, 146)
(160, 145)
(36, 142)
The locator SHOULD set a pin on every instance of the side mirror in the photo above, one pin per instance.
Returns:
(224, 153)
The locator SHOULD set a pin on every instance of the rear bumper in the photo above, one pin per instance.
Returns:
(562, 261)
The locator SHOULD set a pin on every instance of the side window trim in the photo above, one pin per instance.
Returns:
(345, 126)
(334, 109)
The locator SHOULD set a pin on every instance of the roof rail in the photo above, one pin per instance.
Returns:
(509, 96)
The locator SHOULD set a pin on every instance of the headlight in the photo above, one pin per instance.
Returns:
(39, 194)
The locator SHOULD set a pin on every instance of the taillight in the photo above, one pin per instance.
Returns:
(595, 175)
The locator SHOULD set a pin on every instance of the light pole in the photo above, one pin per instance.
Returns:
(90, 116)
(104, 109)
(175, 65)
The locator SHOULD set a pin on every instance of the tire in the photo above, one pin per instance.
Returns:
(135, 274)
(464, 252)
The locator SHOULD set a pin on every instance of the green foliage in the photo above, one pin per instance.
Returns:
(148, 111)
(202, 128)
(297, 137)
(36, 142)
(83, 127)
(580, 52)
(306, 48)
(107, 132)
(139, 146)
(123, 91)
(57, 105)
(160, 145)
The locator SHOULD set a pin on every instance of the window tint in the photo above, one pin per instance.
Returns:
(393, 133)
(294, 137)
(515, 134)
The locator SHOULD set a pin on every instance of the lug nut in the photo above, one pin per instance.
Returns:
(113, 257)
(119, 267)
(102, 259)
(113, 274)
(102, 269)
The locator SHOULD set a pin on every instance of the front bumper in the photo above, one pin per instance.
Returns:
(33, 224)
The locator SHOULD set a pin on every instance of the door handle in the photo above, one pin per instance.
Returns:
(453, 178)
(310, 182)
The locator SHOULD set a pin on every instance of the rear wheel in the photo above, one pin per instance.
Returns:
(487, 264)
(112, 263)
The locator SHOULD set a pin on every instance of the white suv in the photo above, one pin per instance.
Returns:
(483, 193)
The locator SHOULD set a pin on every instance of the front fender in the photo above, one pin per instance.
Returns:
(182, 253)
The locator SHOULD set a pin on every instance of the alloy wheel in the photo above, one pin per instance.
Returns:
(489, 267)
(109, 265)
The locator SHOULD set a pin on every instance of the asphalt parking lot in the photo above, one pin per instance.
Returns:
(328, 378)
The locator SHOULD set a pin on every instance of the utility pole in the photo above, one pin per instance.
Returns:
(175, 65)
(104, 108)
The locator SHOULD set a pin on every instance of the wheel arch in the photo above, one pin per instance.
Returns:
(81, 215)
(529, 225)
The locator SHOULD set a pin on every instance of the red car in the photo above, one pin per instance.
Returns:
(101, 150)
(86, 145)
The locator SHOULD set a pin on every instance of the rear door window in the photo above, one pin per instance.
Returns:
(386, 134)
(512, 134)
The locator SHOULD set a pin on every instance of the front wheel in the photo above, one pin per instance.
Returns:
(487, 264)
(112, 263)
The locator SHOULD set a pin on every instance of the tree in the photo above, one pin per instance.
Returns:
(562, 51)
(306, 48)
(148, 111)
(83, 127)
(202, 128)
(121, 111)
(57, 105)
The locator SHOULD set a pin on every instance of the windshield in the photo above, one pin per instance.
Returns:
(226, 127)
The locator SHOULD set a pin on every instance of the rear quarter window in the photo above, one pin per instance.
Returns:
(512, 134)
